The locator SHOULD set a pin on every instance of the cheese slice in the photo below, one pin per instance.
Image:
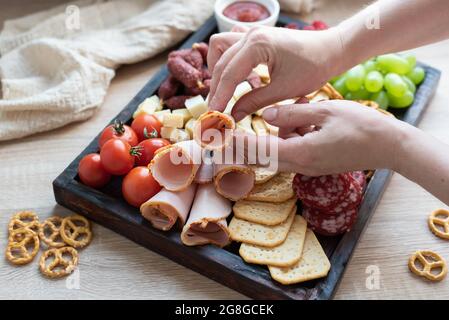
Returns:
(229, 106)
(242, 89)
(263, 72)
(259, 126)
(173, 120)
(196, 106)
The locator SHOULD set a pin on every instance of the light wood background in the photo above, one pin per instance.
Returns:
(116, 268)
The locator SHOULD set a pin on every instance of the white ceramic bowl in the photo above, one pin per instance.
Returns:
(225, 24)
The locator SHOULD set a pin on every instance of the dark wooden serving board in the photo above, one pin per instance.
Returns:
(107, 207)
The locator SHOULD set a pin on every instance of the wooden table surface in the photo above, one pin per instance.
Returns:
(116, 268)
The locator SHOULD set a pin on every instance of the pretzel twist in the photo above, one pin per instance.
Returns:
(70, 231)
(18, 242)
(66, 266)
(429, 260)
(435, 221)
(24, 219)
(52, 224)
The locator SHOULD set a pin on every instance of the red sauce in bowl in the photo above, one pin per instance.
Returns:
(246, 11)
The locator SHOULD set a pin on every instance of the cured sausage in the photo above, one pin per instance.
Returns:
(191, 56)
(329, 225)
(185, 72)
(168, 88)
(176, 102)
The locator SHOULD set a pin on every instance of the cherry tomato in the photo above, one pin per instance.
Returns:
(117, 156)
(146, 126)
(118, 130)
(148, 148)
(139, 186)
(91, 171)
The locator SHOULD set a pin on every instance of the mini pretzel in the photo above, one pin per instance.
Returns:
(24, 219)
(435, 220)
(70, 231)
(18, 243)
(59, 267)
(429, 260)
(52, 225)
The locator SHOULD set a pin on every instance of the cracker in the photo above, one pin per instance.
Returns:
(258, 234)
(286, 254)
(266, 213)
(277, 189)
(263, 174)
(312, 265)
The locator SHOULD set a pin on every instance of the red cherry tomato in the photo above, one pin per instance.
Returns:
(139, 186)
(147, 149)
(118, 130)
(91, 171)
(146, 126)
(117, 156)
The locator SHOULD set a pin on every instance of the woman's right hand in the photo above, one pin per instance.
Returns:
(299, 63)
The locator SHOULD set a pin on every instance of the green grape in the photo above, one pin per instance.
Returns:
(410, 85)
(381, 98)
(333, 79)
(401, 102)
(411, 59)
(374, 81)
(393, 63)
(361, 94)
(417, 75)
(340, 85)
(355, 77)
(369, 65)
(395, 85)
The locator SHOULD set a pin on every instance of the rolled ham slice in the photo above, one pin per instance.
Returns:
(207, 220)
(205, 173)
(234, 181)
(166, 208)
(174, 166)
(214, 130)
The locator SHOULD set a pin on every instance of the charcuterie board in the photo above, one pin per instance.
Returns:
(107, 207)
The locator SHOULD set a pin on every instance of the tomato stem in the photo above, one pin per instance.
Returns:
(147, 135)
(136, 151)
(118, 127)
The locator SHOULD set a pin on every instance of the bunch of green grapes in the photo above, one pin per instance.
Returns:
(389, 80)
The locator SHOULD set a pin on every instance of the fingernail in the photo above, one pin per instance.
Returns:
(270, 114)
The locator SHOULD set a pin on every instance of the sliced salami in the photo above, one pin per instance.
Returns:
(351, 201)
(324, 192)
(360, 177)
(329, 225)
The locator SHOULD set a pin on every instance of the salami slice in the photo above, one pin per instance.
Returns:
(324, 192)
(329, 225)
(360, 177)
(351, 201)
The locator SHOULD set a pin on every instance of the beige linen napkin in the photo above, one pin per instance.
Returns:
(56, 65)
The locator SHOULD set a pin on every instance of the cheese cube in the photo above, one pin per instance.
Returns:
(185, 114)
(241, 89)
(149, 105)
(167, 132)
(259, 126)
(160, 114)
(196, 106)
(263, 72)
(229, 106)
(189, 127)
(179, 135)
(173, 120)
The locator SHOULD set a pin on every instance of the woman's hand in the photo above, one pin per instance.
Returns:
(299, 63)
(334, 136)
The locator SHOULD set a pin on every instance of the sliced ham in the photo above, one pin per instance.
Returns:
(214, 130)
(174, 166)
(207, 219)
(166, 208)
(205, 173)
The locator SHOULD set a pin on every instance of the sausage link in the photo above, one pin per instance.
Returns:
(203, 48)
(184, 72)
(168, 88)
(192, 57)
(176, 102)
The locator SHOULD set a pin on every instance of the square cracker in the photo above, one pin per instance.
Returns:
(286, 254)
(258, 234)
(266, 213)
(262, 174)
(312, 265)
(277, 189)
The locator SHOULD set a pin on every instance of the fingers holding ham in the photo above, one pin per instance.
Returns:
(207, 221)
